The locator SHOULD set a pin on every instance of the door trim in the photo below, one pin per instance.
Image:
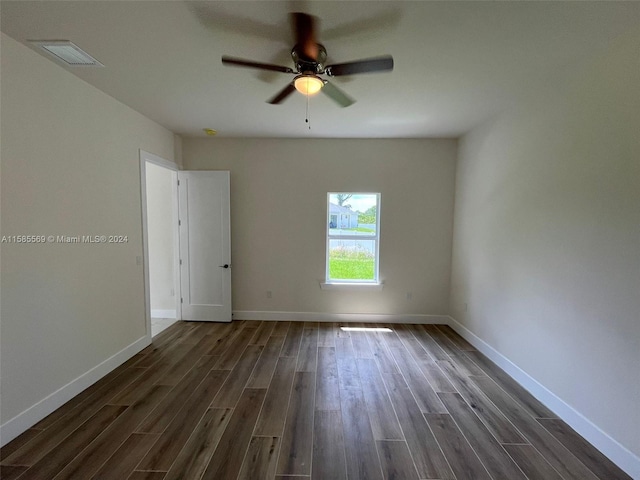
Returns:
(156, 160)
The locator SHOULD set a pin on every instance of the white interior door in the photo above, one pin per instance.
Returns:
(205, 246)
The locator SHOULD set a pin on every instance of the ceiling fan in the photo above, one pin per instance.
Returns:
(309, 58)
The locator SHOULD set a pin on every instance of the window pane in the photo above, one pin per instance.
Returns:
(352, 214)
(352, 259)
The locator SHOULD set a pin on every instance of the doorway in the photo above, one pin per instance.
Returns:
(160, 212)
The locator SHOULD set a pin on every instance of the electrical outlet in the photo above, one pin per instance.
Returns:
(409, 295)
(466, 307)
(269, 294)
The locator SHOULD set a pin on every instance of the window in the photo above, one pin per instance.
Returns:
(353, 233)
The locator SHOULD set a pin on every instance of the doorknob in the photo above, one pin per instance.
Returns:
(226, 265)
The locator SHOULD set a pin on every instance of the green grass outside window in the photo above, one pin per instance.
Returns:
(345, 264)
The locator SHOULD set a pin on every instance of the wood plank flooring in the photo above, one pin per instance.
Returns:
(292, 400)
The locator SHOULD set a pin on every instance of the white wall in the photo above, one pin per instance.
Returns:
(160, 187)
(547, 244)
(278, 219)
(70, 166)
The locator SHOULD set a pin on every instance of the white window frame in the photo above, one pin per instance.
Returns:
(375, 282)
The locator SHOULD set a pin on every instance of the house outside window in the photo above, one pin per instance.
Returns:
(353, 227)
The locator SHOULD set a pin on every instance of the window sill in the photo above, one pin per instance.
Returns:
(369, 287)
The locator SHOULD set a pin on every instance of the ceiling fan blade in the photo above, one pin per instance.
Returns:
(369, 65)
(284, 93)
(337, 95)
(241, 62)
(304, 29)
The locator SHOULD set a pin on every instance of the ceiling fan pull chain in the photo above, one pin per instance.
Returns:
(307, 119)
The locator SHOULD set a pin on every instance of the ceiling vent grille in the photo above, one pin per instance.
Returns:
(67, 52)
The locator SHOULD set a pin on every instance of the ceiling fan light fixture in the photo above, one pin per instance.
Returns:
(308, 84)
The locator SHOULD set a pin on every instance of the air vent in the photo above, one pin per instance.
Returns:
(68, 52)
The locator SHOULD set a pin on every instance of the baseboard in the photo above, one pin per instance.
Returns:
(163, 313)
(32, 415)
(617, 453)
(340, 317)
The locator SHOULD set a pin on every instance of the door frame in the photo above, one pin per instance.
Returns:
(147, 157)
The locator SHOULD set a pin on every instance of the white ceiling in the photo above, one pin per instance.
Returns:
(456, 63)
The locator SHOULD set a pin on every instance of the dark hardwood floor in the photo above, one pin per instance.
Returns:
(290, 400)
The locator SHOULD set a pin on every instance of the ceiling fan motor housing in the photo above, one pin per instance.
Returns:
(308, 65)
